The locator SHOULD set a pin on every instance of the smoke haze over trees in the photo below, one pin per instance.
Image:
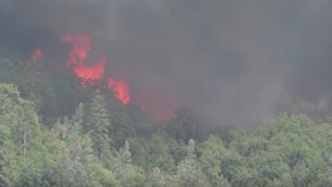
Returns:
(110, 93)
(222, 58)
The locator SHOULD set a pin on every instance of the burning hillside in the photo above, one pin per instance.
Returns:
(90, 74)
(161, 55)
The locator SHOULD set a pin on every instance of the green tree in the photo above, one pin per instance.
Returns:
(127, 174)
(21, 140)
(98, 123)
(212, 154)
(121, 128)
(188, 172)
(77, 164)
(158, 153)
(184, 125)
(156, 178)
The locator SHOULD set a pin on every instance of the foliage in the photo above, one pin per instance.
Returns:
(45, 142)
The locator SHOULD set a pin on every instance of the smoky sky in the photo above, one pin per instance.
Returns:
(229, 60)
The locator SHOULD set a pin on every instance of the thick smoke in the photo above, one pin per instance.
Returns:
(229, 60)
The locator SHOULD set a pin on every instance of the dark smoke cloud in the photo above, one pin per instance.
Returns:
(229, 60)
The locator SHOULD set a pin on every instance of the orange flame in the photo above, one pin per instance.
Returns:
(78, 54)
(120, 89)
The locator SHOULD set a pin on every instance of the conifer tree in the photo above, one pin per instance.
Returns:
(78, 118)
(20, 134)
(189, 173)
(125, 172)
(98, 123)
(124, 154)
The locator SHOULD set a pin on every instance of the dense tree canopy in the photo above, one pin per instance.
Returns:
(52, 134)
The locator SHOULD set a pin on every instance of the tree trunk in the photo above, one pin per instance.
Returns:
(25, 139)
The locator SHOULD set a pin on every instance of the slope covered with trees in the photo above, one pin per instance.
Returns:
(53, 134)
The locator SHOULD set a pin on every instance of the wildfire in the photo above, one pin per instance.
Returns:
(37, 54)
(120, 89)
(90, 74)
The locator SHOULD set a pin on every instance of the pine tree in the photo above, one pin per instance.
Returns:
(156, 178)
(98, 123)
(20, 139)
(189, 173)
(125, 172)
(124, 154)
(78, 118)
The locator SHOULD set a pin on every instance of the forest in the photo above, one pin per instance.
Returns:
(53, 133)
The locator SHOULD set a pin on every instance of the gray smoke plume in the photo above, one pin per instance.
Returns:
(229, 60)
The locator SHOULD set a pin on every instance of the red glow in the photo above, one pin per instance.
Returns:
(120, 89)
(80, 48)
(89, 74)
(143, 108)
(37, 54)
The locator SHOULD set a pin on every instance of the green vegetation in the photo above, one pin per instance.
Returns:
(52, 134)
